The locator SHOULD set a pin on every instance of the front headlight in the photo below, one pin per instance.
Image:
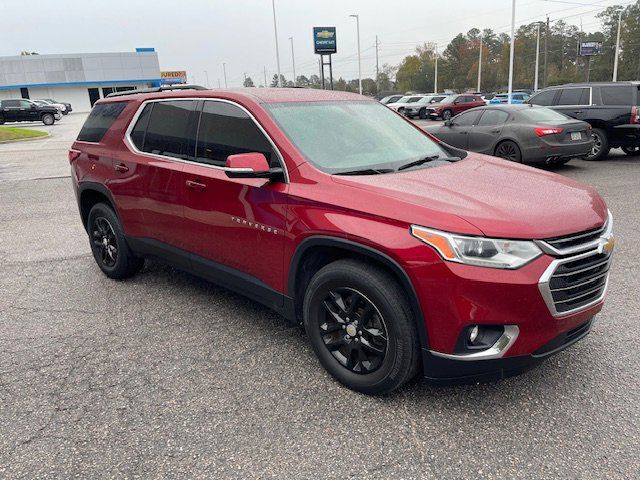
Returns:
(478, 251)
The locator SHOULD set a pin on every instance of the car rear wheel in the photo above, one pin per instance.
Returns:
(48, 119)
(361, 327)
(632, 151)
(509, 151)
(601, 147)
(447, 114)
(422, 113)
(108, 245)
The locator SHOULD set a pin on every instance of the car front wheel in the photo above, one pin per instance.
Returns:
(361, 327)
(446, 115)
(48, 119)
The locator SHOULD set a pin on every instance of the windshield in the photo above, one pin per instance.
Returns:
(543, 115)
(448, 99)
(338, 137)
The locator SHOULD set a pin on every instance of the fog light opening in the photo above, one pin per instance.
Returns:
(473, 334)
(474, 338)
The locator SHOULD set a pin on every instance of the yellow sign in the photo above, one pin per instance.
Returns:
(325, 34)
(173, 74)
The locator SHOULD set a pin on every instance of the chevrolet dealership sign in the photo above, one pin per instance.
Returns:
(324, 40)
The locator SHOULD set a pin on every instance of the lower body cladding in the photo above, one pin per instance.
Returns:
(484, 324)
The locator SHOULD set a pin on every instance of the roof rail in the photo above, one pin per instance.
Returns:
(165, 88)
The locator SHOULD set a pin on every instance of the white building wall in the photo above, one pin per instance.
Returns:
(10, 93)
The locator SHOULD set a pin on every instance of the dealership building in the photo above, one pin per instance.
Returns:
(79, 79)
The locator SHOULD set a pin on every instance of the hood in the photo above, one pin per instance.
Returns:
(502, 199)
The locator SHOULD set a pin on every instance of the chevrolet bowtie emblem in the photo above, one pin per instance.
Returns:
(606, 245)
(325, 34)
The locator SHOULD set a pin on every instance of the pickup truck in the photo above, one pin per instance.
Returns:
(23, 110)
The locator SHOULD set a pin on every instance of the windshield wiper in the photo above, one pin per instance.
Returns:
(367, 171)
(424, 160)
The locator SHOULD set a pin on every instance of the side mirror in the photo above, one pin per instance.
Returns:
(33, 106)
(251, 165)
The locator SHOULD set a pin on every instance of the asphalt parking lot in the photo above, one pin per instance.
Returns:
(165, 375)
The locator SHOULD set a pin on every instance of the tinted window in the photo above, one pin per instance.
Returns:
(25, 104)
(168, 131)
(466, 119)
(99, 121)
(574, 96)
(493, 117)
(11, 103)
(139, 131)
(225, 130)
(616, 95)
(543, 98)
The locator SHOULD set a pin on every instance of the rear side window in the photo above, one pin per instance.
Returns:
(493, 117)
(621, 95)
(574, 96)
(543, 98)
(227, 130)
(139, 131)
(100, 120)
(169, 131)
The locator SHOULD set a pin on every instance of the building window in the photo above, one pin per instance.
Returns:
(24, 92)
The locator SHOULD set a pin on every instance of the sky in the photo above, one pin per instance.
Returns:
(200, 35)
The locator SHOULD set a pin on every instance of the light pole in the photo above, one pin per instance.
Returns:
(435, 81)
(479, 65)
(293, 60)
(206, 74)
(224, 72)
(615, 62)
(512, 48)
(535, 81)
(275, 31)
(357, 17)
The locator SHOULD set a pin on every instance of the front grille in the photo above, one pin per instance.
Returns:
(562, 243)
(579, 281)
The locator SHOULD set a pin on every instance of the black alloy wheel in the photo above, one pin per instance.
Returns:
(446, 115)
(631, 151)
(354, 330)
(103, 238)
(509, 151)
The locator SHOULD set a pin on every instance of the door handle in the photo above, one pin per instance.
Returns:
(578, 111)
(121, 167)
(495, 131)
(195, 185)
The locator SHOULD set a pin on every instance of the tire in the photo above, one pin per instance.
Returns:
(631, 151)
(423, 114)
(509, 151)
(48, 119)
(600, 147)
(1, 120)
(363, 359)
(108, 245)
(446, 115)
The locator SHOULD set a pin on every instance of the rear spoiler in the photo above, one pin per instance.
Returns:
(165, 88)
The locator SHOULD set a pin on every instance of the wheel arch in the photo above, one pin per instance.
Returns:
(506, 139)
(89, 194)
(315, 252)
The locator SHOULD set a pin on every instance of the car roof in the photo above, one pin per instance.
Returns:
(595, 84)
(508, 108)
(259, 95)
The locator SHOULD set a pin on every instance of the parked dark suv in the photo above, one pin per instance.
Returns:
(612, 109)
(27, 111)
(398, 253)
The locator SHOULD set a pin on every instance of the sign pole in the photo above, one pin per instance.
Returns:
(330, 73)
(615, 62)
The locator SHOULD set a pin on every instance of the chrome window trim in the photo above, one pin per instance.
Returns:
(129, 143)
(545, 290)
(497, 350)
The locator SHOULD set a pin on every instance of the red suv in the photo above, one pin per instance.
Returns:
(398, 253)
(453, 105)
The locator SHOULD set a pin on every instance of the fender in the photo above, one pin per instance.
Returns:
(399, 272)
(100, 188)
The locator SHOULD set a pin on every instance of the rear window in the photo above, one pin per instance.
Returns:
(543, 115)
(618, 95)
(100, 120)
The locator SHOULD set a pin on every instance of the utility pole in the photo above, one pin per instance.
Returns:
(377, 68)
(535, 81)
(546, 54)
(293, 60)
(615, 62)
(275, 30)
(435, 81)
(219, 84)
(207, 77)
(479, 65)
(357, 17)
(512, 48)
(224, 72)
(265, 78)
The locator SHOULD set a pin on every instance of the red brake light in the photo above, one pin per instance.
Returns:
(73, 154)
(542, 131)
(635, 115)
